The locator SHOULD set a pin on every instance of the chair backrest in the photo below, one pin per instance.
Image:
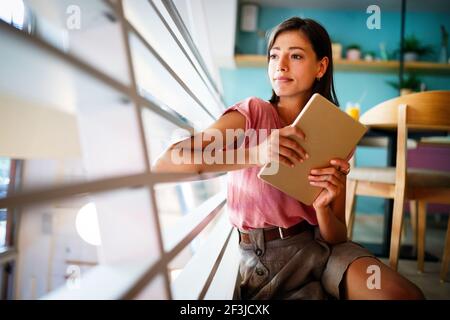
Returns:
(429, 110)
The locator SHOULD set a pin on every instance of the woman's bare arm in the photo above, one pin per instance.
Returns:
(232, 120)
(330, 204)
(331, 221)
(205, 156)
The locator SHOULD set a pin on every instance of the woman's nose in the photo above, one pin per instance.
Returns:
(282, 65)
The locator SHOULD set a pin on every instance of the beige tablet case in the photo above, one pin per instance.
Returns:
(330, 133)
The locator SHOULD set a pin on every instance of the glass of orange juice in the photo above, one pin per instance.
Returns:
(352, 110)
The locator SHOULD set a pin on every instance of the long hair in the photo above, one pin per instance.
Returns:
(321, 44)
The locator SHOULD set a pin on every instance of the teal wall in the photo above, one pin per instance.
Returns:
(346, 27)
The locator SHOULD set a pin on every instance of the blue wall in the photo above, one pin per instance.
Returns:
(346, 27)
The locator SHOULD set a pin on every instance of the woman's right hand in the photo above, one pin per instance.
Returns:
(280, 146)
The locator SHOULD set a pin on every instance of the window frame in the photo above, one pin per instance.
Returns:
(8, 252)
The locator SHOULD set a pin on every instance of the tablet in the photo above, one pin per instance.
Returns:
(330, 133)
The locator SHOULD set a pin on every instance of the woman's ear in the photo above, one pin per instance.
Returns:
(323, 65)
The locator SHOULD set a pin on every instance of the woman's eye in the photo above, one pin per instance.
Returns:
(296, 56)
(272, 56)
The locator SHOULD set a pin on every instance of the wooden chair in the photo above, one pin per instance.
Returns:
(379, 142)
(420, 111)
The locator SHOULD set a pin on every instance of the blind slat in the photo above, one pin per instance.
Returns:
(98, 186)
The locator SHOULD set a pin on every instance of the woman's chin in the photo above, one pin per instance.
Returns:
(284, 93)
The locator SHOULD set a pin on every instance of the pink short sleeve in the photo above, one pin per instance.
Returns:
(246, 108)
(258, 113)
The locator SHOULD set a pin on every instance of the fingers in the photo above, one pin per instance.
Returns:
(290, 154)
(341, 165)
(285, 156)
(328, 171)
(329, 183)
(292, 131)
(328, 178)
(285, 149)
(331, 188)
(285, 161)
(335, 181)
(295, 146)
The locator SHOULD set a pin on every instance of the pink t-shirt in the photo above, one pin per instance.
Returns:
(252, 203)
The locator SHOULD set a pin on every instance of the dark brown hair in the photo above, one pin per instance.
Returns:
(321, 43)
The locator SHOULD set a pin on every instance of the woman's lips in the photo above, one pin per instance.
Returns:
(283, 79)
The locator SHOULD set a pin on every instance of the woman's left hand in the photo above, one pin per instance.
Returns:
(331, 179)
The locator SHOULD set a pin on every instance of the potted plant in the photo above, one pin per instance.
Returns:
(412, 49)
(353, 52)
(410, 84)
(369, 56)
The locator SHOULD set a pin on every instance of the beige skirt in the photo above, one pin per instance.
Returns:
(300, 267)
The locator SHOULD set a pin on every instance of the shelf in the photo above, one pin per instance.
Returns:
(260, 61)
(413, 5)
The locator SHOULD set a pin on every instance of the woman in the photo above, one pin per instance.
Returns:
(290, 250)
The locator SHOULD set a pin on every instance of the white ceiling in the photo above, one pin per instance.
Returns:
(388, 5)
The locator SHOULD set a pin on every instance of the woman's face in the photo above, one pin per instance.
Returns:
(293, 65)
